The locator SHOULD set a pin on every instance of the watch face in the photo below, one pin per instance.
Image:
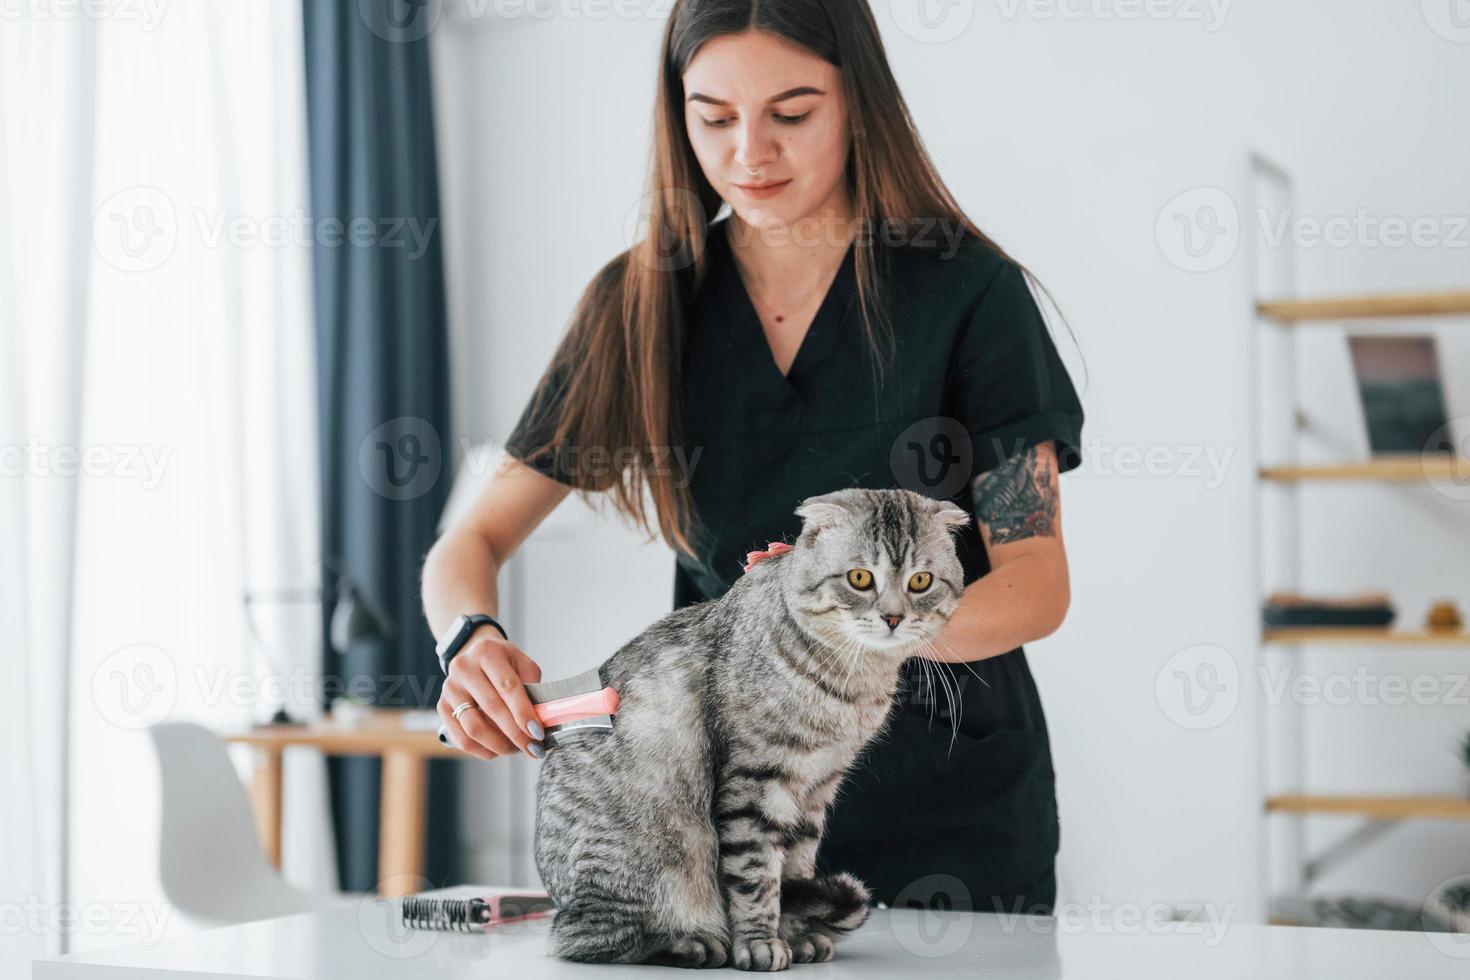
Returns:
(455, 628)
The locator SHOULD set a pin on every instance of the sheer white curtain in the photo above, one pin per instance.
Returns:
(189, 386)
(46, 86)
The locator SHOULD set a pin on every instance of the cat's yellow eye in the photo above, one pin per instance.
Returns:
(919, 581)
(860, 578)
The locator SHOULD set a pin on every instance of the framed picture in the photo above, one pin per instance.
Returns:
(1399, 385)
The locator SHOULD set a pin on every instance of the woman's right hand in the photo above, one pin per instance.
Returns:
(492, 673)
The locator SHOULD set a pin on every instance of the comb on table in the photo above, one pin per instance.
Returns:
(573, 705)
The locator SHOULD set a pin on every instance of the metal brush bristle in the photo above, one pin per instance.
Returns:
(583, 683)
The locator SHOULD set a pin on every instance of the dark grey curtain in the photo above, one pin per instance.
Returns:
(383, 378)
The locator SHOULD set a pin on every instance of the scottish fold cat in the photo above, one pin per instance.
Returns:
(688, 835)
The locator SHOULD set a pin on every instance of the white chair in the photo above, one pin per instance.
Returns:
(213, 869)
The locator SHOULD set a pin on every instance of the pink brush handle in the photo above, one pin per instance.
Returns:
(563, 710)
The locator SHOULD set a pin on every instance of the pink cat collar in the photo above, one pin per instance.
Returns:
(773, 549)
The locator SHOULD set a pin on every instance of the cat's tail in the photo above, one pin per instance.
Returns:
(833, 904)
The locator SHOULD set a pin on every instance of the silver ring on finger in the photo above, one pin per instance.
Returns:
(460, 709)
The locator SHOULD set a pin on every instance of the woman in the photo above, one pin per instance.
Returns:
(845, 325)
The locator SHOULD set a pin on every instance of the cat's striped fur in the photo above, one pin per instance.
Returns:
(689, 834)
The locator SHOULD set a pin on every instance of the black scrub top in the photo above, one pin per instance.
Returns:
(938, 810)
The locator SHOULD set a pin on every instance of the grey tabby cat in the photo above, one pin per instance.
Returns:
(688, 835)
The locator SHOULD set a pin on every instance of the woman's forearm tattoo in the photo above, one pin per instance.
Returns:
(1016, 500)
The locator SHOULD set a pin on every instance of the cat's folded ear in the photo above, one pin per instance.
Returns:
(826, 510)
(950, 513)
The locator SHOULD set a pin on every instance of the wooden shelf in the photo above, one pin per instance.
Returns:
(1379, 306)
(1375, 807)
(1364, 636)
(1389, 468)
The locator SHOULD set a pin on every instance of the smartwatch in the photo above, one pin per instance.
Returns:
(458, 635)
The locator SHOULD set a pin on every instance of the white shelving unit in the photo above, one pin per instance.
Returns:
(1281, 475)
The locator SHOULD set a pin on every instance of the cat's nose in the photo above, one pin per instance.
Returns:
(893, 621)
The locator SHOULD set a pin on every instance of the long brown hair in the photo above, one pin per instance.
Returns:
(618, 368)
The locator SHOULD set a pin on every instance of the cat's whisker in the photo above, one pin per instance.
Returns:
(951, 693)
(924, 667)
(824, 654)
(951, 651)
(950, 696)
(956, 698)
(852, 649)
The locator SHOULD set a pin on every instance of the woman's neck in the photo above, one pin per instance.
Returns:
(786, 260)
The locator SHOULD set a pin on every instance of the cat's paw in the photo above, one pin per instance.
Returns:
(764, 955)
(696, 952)
(812, 947)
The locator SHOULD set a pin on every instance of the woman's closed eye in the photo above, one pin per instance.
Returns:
(779, 117)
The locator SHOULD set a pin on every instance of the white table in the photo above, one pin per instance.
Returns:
(361, 941)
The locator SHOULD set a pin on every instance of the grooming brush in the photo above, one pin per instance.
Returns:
(565, 707)
(573, 705)
(473, 914)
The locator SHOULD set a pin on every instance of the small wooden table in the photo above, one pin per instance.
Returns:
(405, 754)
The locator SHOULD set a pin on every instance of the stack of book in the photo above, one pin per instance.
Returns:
(1285, 610)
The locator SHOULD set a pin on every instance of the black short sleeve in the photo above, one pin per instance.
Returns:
(536, 425)
(1011, 389)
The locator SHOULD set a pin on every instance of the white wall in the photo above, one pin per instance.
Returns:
(1066, 137)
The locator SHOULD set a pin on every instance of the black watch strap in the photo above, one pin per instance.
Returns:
(465, 627)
